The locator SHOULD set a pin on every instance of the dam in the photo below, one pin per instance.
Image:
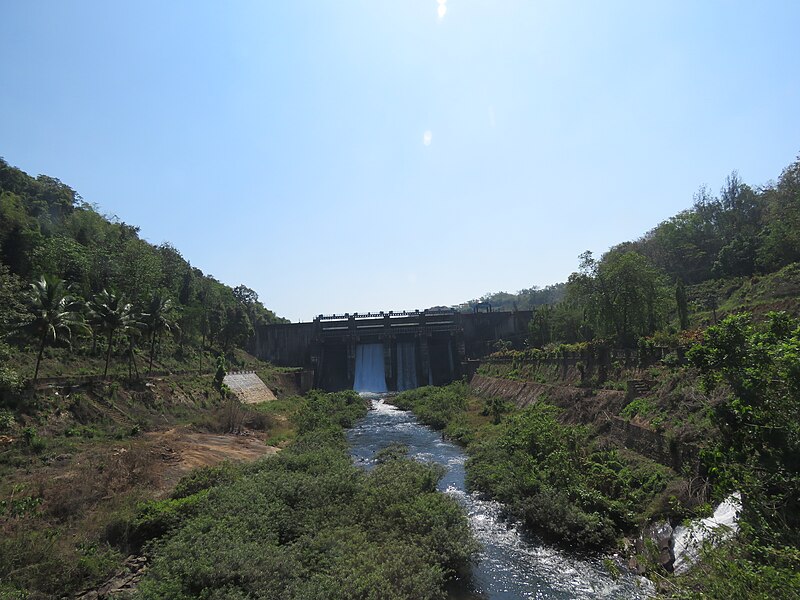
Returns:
(389, 351)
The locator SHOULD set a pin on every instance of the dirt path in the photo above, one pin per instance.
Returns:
(180, 450)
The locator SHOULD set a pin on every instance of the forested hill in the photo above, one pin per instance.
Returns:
(523, 300)
(737, 249)
(47, 229)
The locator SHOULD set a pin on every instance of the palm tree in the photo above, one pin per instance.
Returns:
(134, 331)
(55, 314)
(158, 318)
(112, 313)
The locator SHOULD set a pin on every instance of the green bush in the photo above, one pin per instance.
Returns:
(435, 406)
(307, 523)
(156, 517)
(7, 420)
(551, 476)
(204, 478)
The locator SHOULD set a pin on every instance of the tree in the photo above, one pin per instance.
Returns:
(759, 452)
(682, 304)
(55, 314)
(12, 310)
(113, 313)
(245, 295)
(540, 328)
(622, 295)
(158, 319)
(236, 329)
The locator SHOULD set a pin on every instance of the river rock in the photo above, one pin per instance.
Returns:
(655, 544)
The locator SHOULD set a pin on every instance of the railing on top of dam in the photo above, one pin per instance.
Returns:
(391, 313)
(396, 322)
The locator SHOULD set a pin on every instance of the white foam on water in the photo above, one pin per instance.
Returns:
(687, 541)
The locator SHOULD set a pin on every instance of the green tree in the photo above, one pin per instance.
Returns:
(236, 329)
(12, 311)
(780, 235)
(55, 314)
(158, 318)
(622, 295)
(112, 313)
(758, 365)
(682, 304)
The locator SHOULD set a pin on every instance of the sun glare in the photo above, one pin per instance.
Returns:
(442, 10)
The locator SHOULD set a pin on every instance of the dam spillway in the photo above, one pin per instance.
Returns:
(370, 373)
(406, 366)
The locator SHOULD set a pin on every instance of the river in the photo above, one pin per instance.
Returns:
(512, 565)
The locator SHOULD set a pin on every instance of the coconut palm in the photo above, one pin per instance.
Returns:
(56, 314)
(112, 313)
(134, 332)
(158, 319)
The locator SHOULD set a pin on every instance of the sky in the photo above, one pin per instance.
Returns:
(346, 155)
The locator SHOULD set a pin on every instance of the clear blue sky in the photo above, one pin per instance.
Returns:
(350, 155)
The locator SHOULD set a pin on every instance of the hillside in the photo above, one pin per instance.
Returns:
(92, 269)
(737, 250)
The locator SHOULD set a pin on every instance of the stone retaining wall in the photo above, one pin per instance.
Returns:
(592, 407)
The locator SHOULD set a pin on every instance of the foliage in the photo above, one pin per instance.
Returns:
(308, 524)
(111, 313)
(549, 474)
(45, 228)
(526, 299)
(552, 477)
(54, 314)
(158, 318)
(759, 422)
(740, 233)
(330, 410)
(434, 406)
(623, 295)
(496, 407)
(740, 569)
(219, 377)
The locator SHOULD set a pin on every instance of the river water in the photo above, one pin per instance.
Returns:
(511, 564)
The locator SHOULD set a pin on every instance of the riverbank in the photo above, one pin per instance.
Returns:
(568, 477)
(511, 563)
(559, 479)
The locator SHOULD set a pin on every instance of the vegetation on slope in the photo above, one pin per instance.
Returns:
(690, 269)
(734, 403)
(555, 477)
(75, 283)
(76, 459)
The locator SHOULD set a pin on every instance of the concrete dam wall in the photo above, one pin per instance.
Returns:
(419, 347)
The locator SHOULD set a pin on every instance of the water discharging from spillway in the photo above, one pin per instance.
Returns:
(406, 366)
(370, 375)
(512, 565)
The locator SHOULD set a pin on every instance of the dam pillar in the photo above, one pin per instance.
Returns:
(351, 362)
(388, 362)
(425, 360)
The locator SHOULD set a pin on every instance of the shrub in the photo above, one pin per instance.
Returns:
(307, 523)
